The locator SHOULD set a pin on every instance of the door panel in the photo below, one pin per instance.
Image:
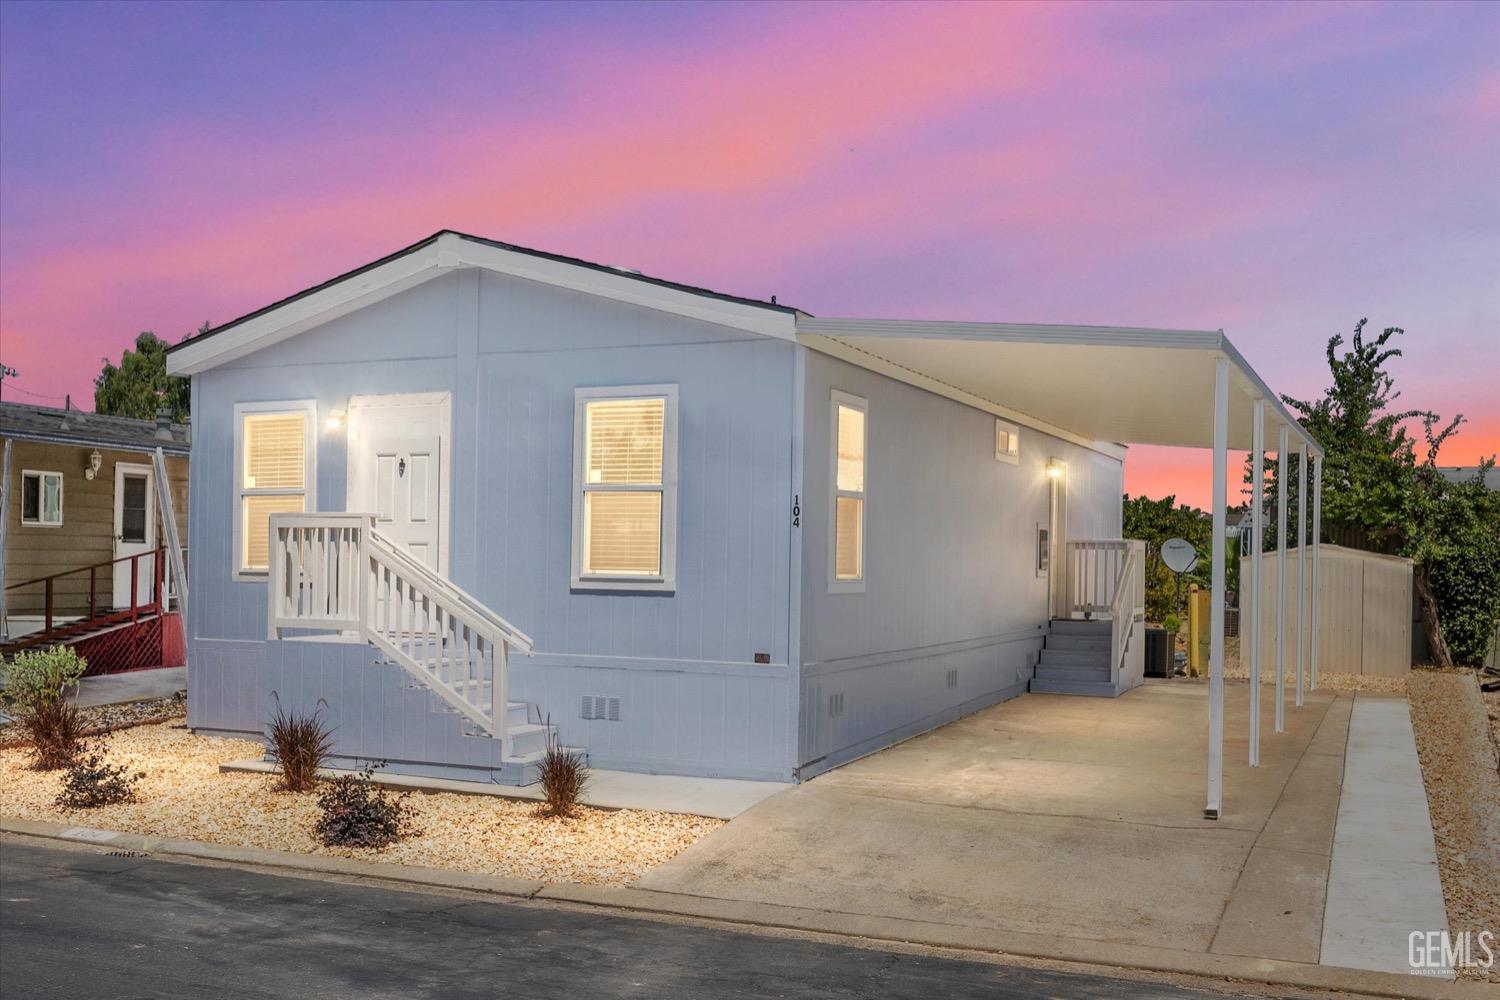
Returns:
(396, 471)
(134, 531)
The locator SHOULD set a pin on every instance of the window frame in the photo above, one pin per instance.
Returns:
(238, 492)
(1012, 456)
(666, 580)
(836, 399)
(41, 475)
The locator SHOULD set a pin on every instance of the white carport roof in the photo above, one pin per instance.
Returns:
(1126, 385)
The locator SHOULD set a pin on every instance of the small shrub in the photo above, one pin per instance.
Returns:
(55, 729)
(1172, 624)
(92, 781)
(563, 775)
(37, 678)
(301, 744)
(356, 812)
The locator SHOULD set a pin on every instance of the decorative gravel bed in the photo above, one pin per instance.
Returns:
(107, 718)
(1236, 670)
(1459, 768)
(184, 795)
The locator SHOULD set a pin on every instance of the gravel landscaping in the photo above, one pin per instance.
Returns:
(107, 718)
(1459, 768)
(185, 795)
(1236, 670)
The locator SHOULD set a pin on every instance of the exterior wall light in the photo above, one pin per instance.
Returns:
(1054, 469)
(335, 421)
(95, 461)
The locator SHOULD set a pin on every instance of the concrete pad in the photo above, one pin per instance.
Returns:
(1062, 875)
(1276, 910)
(717, 798)
(1305, 815)
(1072, 817)
(132, 685)
(1383, 882)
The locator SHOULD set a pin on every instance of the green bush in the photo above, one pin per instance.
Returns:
(1172, 624)
(38, 678)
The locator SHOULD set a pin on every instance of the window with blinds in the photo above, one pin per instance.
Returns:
(625, 497)
(847, 544)
(273, 454)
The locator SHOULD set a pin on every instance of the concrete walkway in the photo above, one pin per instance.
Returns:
(1384, 881)
(132, 685)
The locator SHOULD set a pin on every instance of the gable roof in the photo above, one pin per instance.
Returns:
(448, 250)
(25, 422)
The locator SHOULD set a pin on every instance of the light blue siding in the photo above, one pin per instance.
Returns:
(950, 620)
(949, 561)
(511, 353)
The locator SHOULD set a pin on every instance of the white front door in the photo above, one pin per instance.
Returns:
(398, 470)
(135, 531)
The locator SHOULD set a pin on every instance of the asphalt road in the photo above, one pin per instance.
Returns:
(84, 924)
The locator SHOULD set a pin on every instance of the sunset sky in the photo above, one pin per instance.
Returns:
(1277, 171)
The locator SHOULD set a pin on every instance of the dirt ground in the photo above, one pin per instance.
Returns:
(1459, 768)
(185, 795)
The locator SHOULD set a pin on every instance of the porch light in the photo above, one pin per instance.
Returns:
(335, 420)
(1054, 470)
(95, 461)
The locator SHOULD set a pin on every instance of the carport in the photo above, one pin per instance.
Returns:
(1129, 385)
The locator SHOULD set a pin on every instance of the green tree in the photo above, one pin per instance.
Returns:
(1155, 521)
(140, 385)
(1375, 485)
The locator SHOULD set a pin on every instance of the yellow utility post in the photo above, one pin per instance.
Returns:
(1199, 609)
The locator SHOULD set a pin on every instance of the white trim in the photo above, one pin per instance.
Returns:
(837, 399)
(622, 287)
(666, 582)
(1059, 600)
(863, 359)
(309, 408)
(1011, 454)
(353, 452)
(40, 493)
(120, 573)
(276, 325)
(447, 252)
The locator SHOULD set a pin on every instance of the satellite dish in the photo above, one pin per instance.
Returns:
(1179, 555)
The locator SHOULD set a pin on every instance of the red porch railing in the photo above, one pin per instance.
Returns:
(155, 603)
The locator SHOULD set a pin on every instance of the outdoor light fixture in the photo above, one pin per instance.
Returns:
(335, 420)
(1054, 470)
(95, 461)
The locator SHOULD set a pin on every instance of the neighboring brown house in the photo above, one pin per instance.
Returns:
(81, 509)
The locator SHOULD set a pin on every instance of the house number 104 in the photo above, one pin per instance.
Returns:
(797, 511)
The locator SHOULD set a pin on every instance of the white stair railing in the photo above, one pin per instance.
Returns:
(335, 571)
(1127, 605)
(1093, 567)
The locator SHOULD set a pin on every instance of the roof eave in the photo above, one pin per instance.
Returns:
(447, 251)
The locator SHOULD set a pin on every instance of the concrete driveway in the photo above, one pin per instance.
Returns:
(1058, 815)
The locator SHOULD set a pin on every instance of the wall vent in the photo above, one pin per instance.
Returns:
(952, 678)
(600, 707)
(835, 705)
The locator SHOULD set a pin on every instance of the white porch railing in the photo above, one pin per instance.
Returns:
(1107, 578)
(335, 571)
